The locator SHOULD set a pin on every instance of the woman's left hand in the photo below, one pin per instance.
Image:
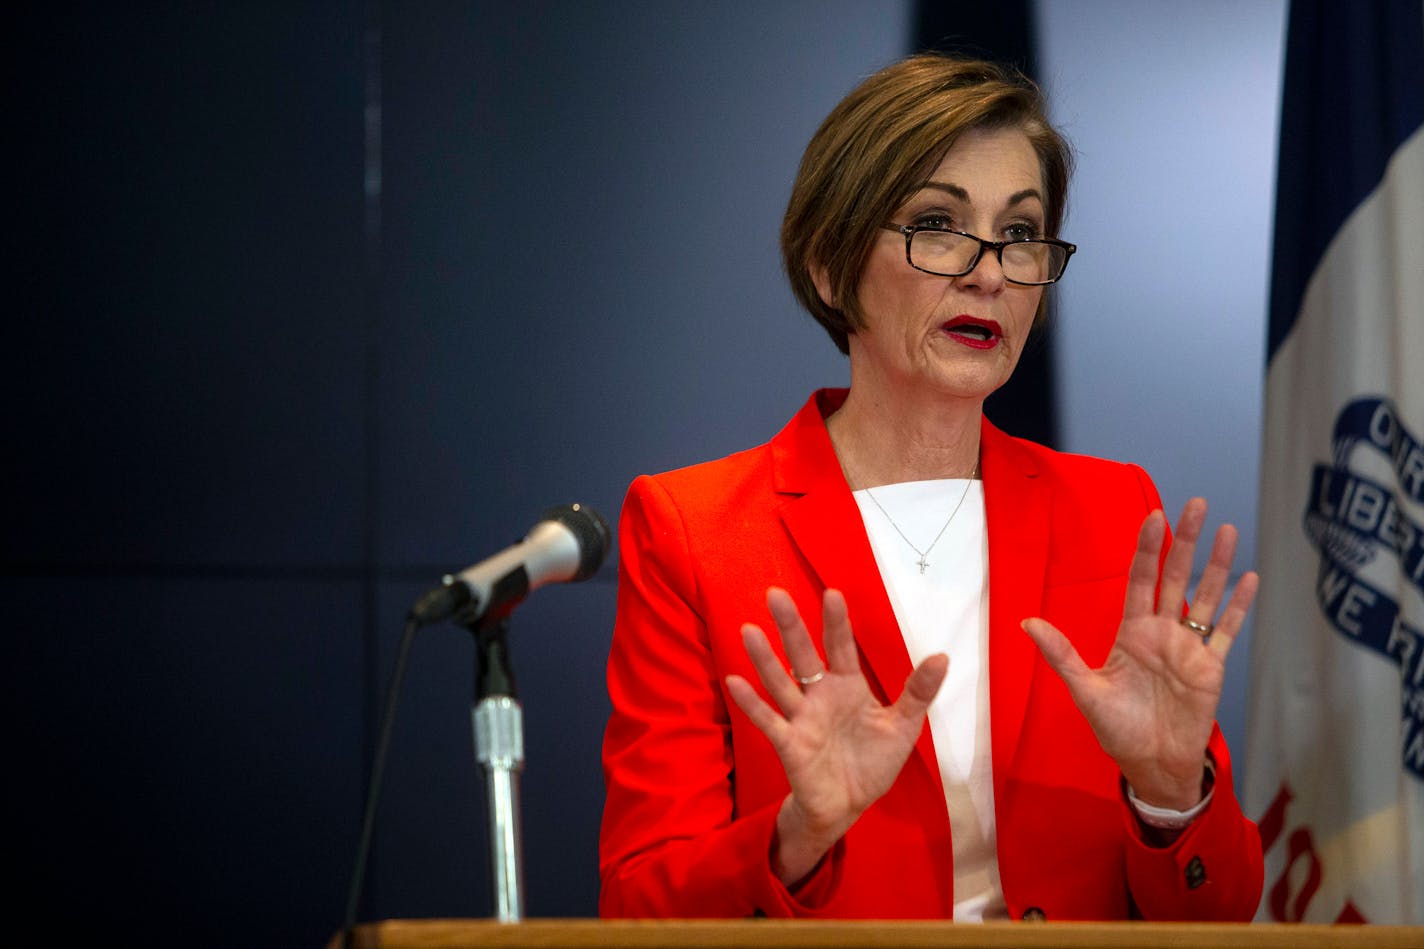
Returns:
(1153, 703)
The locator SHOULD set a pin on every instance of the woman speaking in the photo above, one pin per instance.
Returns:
(895, 663)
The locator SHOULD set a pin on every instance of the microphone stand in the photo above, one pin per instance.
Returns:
(499, 748)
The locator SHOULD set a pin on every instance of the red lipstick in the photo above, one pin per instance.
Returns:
(974, 332)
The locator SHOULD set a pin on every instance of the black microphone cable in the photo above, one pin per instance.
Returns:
(378, 768)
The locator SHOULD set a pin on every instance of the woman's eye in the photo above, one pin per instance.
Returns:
(942, 221)
(1021, 231)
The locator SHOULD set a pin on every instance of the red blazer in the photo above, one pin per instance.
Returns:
(694, 788)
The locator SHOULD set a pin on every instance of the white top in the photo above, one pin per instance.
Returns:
(945, 609)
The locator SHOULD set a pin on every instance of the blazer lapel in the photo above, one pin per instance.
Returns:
(825, 524)
(1016, 510)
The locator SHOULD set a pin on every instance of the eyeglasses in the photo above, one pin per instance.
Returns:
(949, 253)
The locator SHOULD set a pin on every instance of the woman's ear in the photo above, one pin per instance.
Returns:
(822, 281)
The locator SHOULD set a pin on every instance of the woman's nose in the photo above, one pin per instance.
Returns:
(987, 275)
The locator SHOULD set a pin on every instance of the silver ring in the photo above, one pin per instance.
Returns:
(1204, 630)
(808, 680)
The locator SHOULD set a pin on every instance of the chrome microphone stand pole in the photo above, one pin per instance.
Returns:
(499, 748)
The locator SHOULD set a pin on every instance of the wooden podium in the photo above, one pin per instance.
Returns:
(888, 934)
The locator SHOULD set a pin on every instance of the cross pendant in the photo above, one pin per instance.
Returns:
(923, 563)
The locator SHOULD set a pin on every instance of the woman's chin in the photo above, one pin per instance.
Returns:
(962, 386)
(974, 378)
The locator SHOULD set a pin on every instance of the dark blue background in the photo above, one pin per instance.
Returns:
(247, 422)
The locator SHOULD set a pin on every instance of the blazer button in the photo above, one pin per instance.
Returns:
(1034, 915)
(1195, 873)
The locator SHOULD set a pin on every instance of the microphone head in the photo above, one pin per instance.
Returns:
(591, 531)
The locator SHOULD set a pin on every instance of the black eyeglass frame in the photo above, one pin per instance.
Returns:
(910, 230)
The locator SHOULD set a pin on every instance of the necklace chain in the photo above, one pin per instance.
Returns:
(923, 562)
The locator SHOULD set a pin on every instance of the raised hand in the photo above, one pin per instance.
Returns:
(1153, 703)
(840, 747)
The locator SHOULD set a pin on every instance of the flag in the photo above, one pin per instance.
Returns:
(1334, 769)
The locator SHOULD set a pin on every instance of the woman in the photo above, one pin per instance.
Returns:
(921, 568)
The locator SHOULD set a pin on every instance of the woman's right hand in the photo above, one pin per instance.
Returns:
(840, 747)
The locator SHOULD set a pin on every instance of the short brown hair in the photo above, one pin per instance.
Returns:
(878, 146)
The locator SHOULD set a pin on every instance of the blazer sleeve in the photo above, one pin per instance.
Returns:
(672, 844)
(1212, 872)
(1214, 869)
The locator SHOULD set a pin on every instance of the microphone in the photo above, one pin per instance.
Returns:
(568, 544)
